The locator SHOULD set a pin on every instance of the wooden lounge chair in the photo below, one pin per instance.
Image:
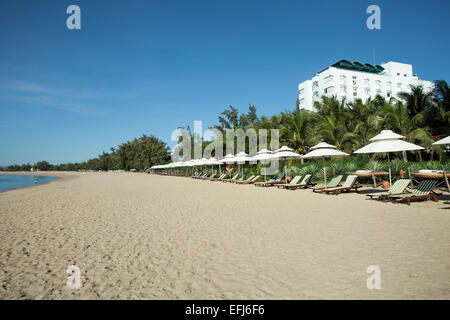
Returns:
(333, 183)
(253, 180)
(349, 184)
(294, 181)
(398, 187)
(304, 184)
(271, 182)
(424, 190)
(233, 178)
(243, 180)
(223, 175)
(211, 177)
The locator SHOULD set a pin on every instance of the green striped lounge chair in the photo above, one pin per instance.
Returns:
(222, 176)
(333, 183)
(304, 184)
(243, 180)
(249, 181)
(271, 182)
(397, 188)
(294, 181)
(211, 177)
(349, 184)
(232, 179)
(424, 190)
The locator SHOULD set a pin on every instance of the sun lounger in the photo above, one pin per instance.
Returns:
(211, 177)
(222, 176)
(349, 184)
(294, 181)
(304, 184)
(243, 180)
(424, 190)
(397, 188)
(253, 180)
(232, 179)
(271, 182)
(333, 183)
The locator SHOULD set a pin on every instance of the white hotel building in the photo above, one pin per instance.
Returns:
(351, 81)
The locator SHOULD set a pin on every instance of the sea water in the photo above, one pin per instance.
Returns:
(12, 181)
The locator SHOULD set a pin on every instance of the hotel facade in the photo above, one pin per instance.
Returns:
(354, 80)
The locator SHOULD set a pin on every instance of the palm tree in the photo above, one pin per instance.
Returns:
(364, 118)
(296, 130)
(332, 127)
(417, 101)
(396, 118)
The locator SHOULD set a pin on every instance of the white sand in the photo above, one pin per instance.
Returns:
(135, 235)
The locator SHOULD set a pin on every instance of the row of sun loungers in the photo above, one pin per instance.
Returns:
(398, 191)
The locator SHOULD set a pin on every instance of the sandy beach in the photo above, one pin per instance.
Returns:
(140, 236)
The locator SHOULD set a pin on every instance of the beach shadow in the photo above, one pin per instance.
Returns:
(366, 191)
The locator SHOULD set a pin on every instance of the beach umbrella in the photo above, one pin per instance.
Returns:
(388, 141)
(241, 158)
(285, 153)
(228, 159)
(443, 141)
(262, 155)
(212, 162)
(324, 150)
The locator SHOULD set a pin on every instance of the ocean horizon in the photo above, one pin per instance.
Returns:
(10, 181)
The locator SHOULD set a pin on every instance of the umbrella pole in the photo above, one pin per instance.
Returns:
(285, 171)
(390, 177)
(324, 172)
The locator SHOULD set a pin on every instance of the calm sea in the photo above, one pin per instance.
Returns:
(9, 181)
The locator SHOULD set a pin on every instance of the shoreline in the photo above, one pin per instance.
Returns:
(61, 175)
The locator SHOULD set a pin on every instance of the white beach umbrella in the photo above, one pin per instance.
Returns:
(212, 162)
(241, 158)
(228, 159)
(285, 153)
(388, 141)
(324, 150)
(443, 141)
(262, 155)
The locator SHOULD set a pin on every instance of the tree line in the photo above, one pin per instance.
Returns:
(140, 153)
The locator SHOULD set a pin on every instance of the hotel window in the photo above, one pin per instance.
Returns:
(378, 92)
(355, 94)
(367, 82)
(343, 78)
(302, 92)
(398, 73)
(389, 84)
(315, 93)
(343, 89)
(329, 79)
(399, 86)
(367, 91)
(389, 94)
(315, 86)
(301, 101)
(378, 83)
(404, 75)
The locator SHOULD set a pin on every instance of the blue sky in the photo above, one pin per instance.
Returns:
(150, 66)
